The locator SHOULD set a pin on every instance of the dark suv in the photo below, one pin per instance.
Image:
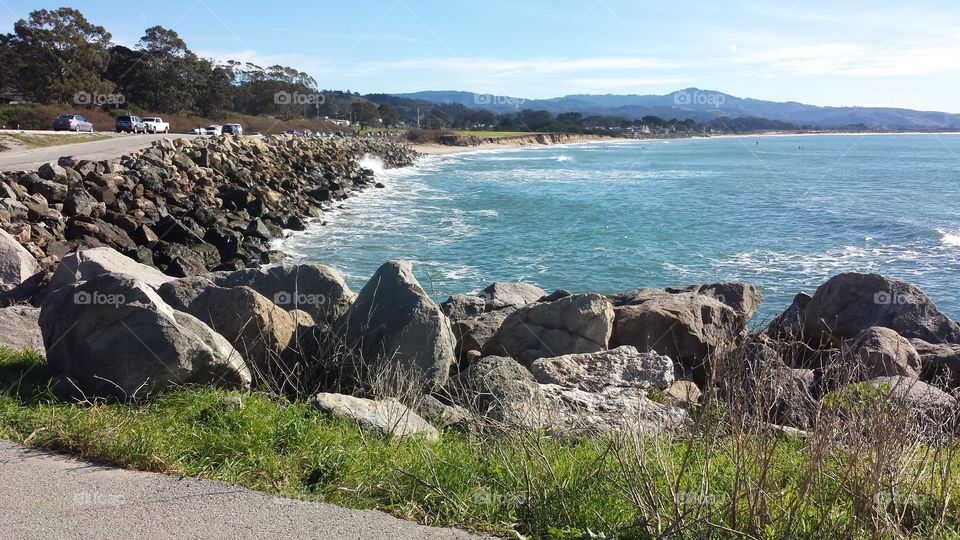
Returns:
(130, 124)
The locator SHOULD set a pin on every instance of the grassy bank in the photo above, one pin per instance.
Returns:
(720, 482)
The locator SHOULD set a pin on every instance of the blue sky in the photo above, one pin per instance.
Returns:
(903, 54)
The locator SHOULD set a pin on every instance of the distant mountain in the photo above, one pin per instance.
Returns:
(703, 106)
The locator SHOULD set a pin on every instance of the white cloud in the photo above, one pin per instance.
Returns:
(855, 60)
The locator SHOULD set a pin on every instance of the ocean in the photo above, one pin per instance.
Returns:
(783, 213)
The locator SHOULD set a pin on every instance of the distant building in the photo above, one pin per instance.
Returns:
(337, 121)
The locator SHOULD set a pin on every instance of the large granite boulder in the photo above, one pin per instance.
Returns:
(389, 417)
(502, 294)
(881, 352)
(570, 325)
(314, 288)
(504, 391)
(496, 296)
(623, 366)
(260, 330)
(690, 325)
(114, 337)
(394, 320)
(87, 264)
(20, 328)
(16, 263)
(474, 333)
(849, 303)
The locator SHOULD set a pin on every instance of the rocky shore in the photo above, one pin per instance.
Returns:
(131, 276)
(186, 206)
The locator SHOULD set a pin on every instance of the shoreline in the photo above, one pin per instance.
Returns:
(529, 141)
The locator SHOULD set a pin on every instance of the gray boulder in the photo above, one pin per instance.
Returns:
(690, 325)
(502, 294)
(393, 319)
(314, 288)
(940, 362)
(496, 296)
(570, 325)
(87, 264)
(20, 328)
(849, 303)
(504, 391)
(473, 334)
(881, 352)
(389, 417)
(114, 337)
(16, 263)
(623, 366)
(932, 409)
(260, 330)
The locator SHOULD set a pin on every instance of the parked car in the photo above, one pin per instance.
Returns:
(130, 124)
(213, 130)
(71, 122)
(233, 129)
(155, 124)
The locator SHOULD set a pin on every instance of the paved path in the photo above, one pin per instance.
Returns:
(117, 145)
(50, 496)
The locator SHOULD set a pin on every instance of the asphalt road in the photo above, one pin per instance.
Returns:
(117, 145)
(51, 497)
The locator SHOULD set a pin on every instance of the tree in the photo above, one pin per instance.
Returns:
(388, 115)
(216, 95)
(61, 55)
(169, 74)
(365, 113)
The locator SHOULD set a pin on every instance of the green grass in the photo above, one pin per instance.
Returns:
(31, 141)
(527, 484)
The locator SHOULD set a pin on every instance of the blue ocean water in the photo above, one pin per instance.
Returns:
(782, 213)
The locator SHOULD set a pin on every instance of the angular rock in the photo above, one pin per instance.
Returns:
(260, 330)
(113, 337)
(623, 366)
(570, 325)
(87, 264)
(393, 319)
(940, 363)
(314, 288)
(505, 392)
(389, 417)
(16, 263)
(688, 325)
(502, 294)
(20, 328)
(474, 334)
(881, 352)
(932, 408)
(682, 393)
(849, 303)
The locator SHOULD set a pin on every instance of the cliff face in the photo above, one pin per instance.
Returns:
(516, 140)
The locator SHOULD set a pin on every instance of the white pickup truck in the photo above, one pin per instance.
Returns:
(155, 124)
